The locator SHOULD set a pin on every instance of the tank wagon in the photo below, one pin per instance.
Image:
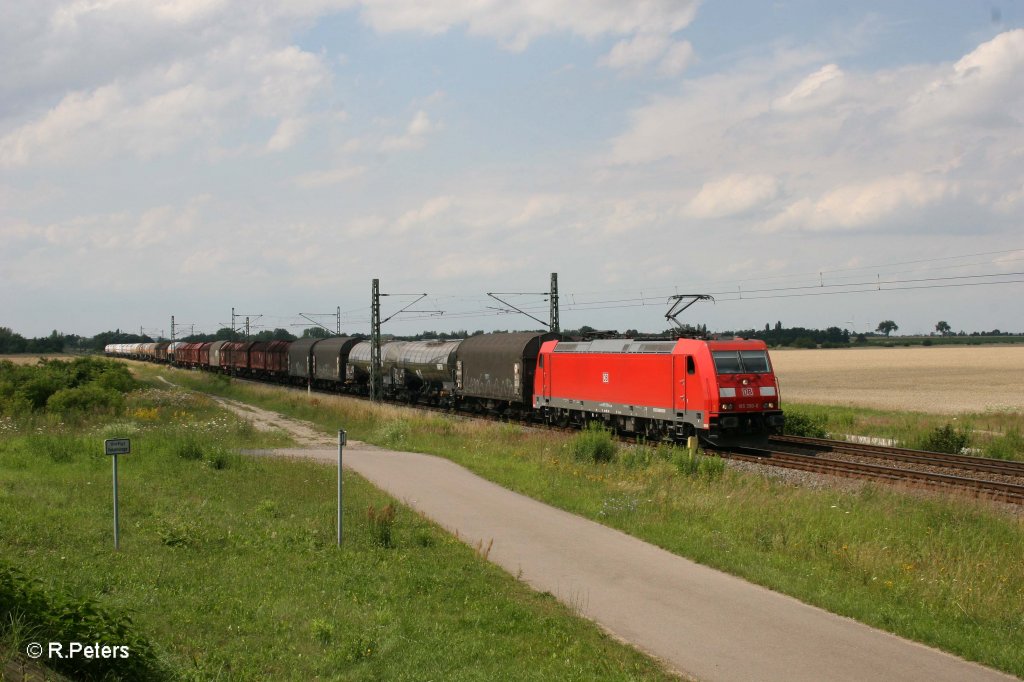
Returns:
(723, 391)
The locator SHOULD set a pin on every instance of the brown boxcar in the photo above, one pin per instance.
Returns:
(269, 358)
(234, 356)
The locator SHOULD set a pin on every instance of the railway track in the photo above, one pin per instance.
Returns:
(1003, 481)
(940, 459)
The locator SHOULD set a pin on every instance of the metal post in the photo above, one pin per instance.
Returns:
(376, 365)
(117, 539)
(553, 323)
(341, 443)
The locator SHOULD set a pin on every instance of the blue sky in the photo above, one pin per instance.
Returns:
(814, 163)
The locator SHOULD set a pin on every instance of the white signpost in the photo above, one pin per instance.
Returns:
(115, 447)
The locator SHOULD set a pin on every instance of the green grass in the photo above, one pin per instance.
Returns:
(990, 434)
(228, 564)
(945, 571)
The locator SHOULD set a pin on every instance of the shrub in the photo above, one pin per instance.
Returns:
(804, 342)
(805, 425)
(82, 399)
(947, 438)
(593, 444)
(55, 617)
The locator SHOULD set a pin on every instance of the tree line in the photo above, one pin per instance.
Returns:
(774, 335)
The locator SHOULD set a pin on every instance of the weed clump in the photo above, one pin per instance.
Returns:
(381, 524)
(1008, 446)
(189, 448)
(696, 465)
(323, 630)
(593, 444)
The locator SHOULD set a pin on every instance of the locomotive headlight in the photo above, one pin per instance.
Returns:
(726, 406)
(769, 406)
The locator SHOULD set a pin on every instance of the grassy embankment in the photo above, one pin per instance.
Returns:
(228, 567)
(945, 571)
(996, 434)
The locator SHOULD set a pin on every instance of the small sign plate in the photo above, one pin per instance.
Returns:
(117, 446)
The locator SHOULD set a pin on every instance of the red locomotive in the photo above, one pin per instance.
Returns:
(722, 391)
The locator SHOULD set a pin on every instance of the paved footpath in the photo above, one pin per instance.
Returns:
(701, 622)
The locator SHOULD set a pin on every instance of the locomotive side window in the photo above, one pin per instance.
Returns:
(690, 367)
(741, 362)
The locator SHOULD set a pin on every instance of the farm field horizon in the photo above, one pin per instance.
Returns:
(946, 380)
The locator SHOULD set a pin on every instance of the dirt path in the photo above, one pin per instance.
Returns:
(702, 622)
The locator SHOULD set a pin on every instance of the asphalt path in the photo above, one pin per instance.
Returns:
(701, 622)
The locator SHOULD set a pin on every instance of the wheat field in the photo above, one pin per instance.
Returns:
(936, 379)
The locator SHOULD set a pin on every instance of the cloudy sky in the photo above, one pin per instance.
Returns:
(803, 162)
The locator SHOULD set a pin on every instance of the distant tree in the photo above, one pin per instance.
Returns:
(11, 342)
(315, 333)
(943, 328)
(887, 327)
(226, 334)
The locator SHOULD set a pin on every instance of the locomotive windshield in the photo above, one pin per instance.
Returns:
(741, 361)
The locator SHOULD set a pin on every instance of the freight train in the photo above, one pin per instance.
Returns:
(723, 391)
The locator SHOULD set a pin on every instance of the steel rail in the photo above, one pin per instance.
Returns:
(941, 459)
(1007, 492)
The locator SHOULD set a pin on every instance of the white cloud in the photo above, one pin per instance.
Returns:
(336, 176)
(865, 205)
(732, 195)
(415, 134)
(985, 87)
(164, 109)
(288, 131)
(647, 48)
(517, 24)
(426, 213)
(817, 89)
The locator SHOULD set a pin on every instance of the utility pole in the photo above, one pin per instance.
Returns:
(376, 362)
(338, 331)
(552, 324)
(172, 327)
(553, 297)
(234, 327)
